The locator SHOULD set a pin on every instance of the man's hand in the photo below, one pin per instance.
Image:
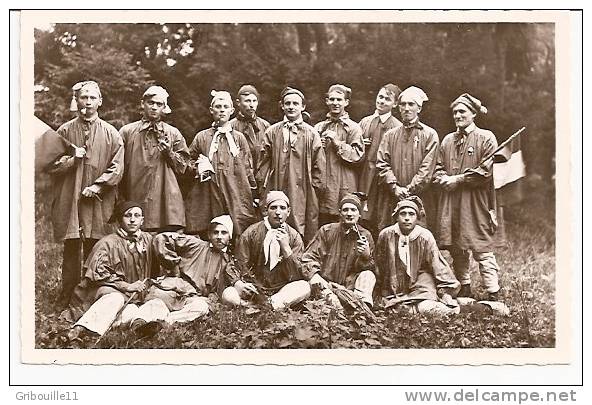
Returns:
(164, 145)
(327, 137)
(138, 286)
(363, 247)
(245, 289)
(79, 152)
(283, 239)
(400, 192)
(449, 183)
(317, 280)
(92, 191)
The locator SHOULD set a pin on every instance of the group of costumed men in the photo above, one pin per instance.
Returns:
(274, 213)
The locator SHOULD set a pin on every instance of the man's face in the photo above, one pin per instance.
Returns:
(384, 102)
(221, 110)
(153, 107)
(463, 117)
(132, 220)
(350, 214)
(407, 219)
(292, 106)
(89, 101)
(219, 236)
(409, 109)
(336, 102)
(247, 104)
(277, 213)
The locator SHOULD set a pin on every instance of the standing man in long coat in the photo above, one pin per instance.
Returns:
(373, 129)
(292, 159)
(466, 206)
(344, 148)
(407, 158)
(247, 122)
(155, 154)
(229, 187)
(84, 183)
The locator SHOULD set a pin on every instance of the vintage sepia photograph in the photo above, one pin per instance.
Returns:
(215, 183)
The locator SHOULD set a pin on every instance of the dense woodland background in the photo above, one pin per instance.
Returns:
(509, 66)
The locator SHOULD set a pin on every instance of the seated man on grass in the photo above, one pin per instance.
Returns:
(414, 271)
(118, 285)
(342, 253)
(268, 258)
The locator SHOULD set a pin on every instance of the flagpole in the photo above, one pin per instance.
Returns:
(503, 144)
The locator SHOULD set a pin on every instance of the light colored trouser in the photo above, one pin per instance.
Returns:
(363, 288)
(290, 294)
(103, 311)
(488, 268)
(435, 307)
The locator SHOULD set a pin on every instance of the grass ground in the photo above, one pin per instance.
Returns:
(527, 278)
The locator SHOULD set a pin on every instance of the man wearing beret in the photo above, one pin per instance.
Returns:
(155, 154)
(373, 129)
(268, 255)
(292, 159)
(406, 158)
(342, 253)
(84, 183)
(466, 213)
(247, 122)
(121, 285)
(344, 148)
(415, 274)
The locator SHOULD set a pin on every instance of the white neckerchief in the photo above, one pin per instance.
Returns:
(271, 247)
(382, 117)
(226, 131)
(403, 246)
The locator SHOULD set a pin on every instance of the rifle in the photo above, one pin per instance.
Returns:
(501, 146)
(352, 300)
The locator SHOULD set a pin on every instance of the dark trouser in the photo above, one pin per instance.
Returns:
(72, 266)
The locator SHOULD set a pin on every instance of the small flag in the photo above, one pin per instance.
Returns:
(508, 165)
(48, 144)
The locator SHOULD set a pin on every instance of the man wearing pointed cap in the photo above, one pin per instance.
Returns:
(373, 129)
(222, 154)
(467, 218)
(344, 148)
(247, 122)
(292, 159)
(414, 273)
(155, 154)
(84, 182)
(268, 255)
(406, 158)
(342, 253)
